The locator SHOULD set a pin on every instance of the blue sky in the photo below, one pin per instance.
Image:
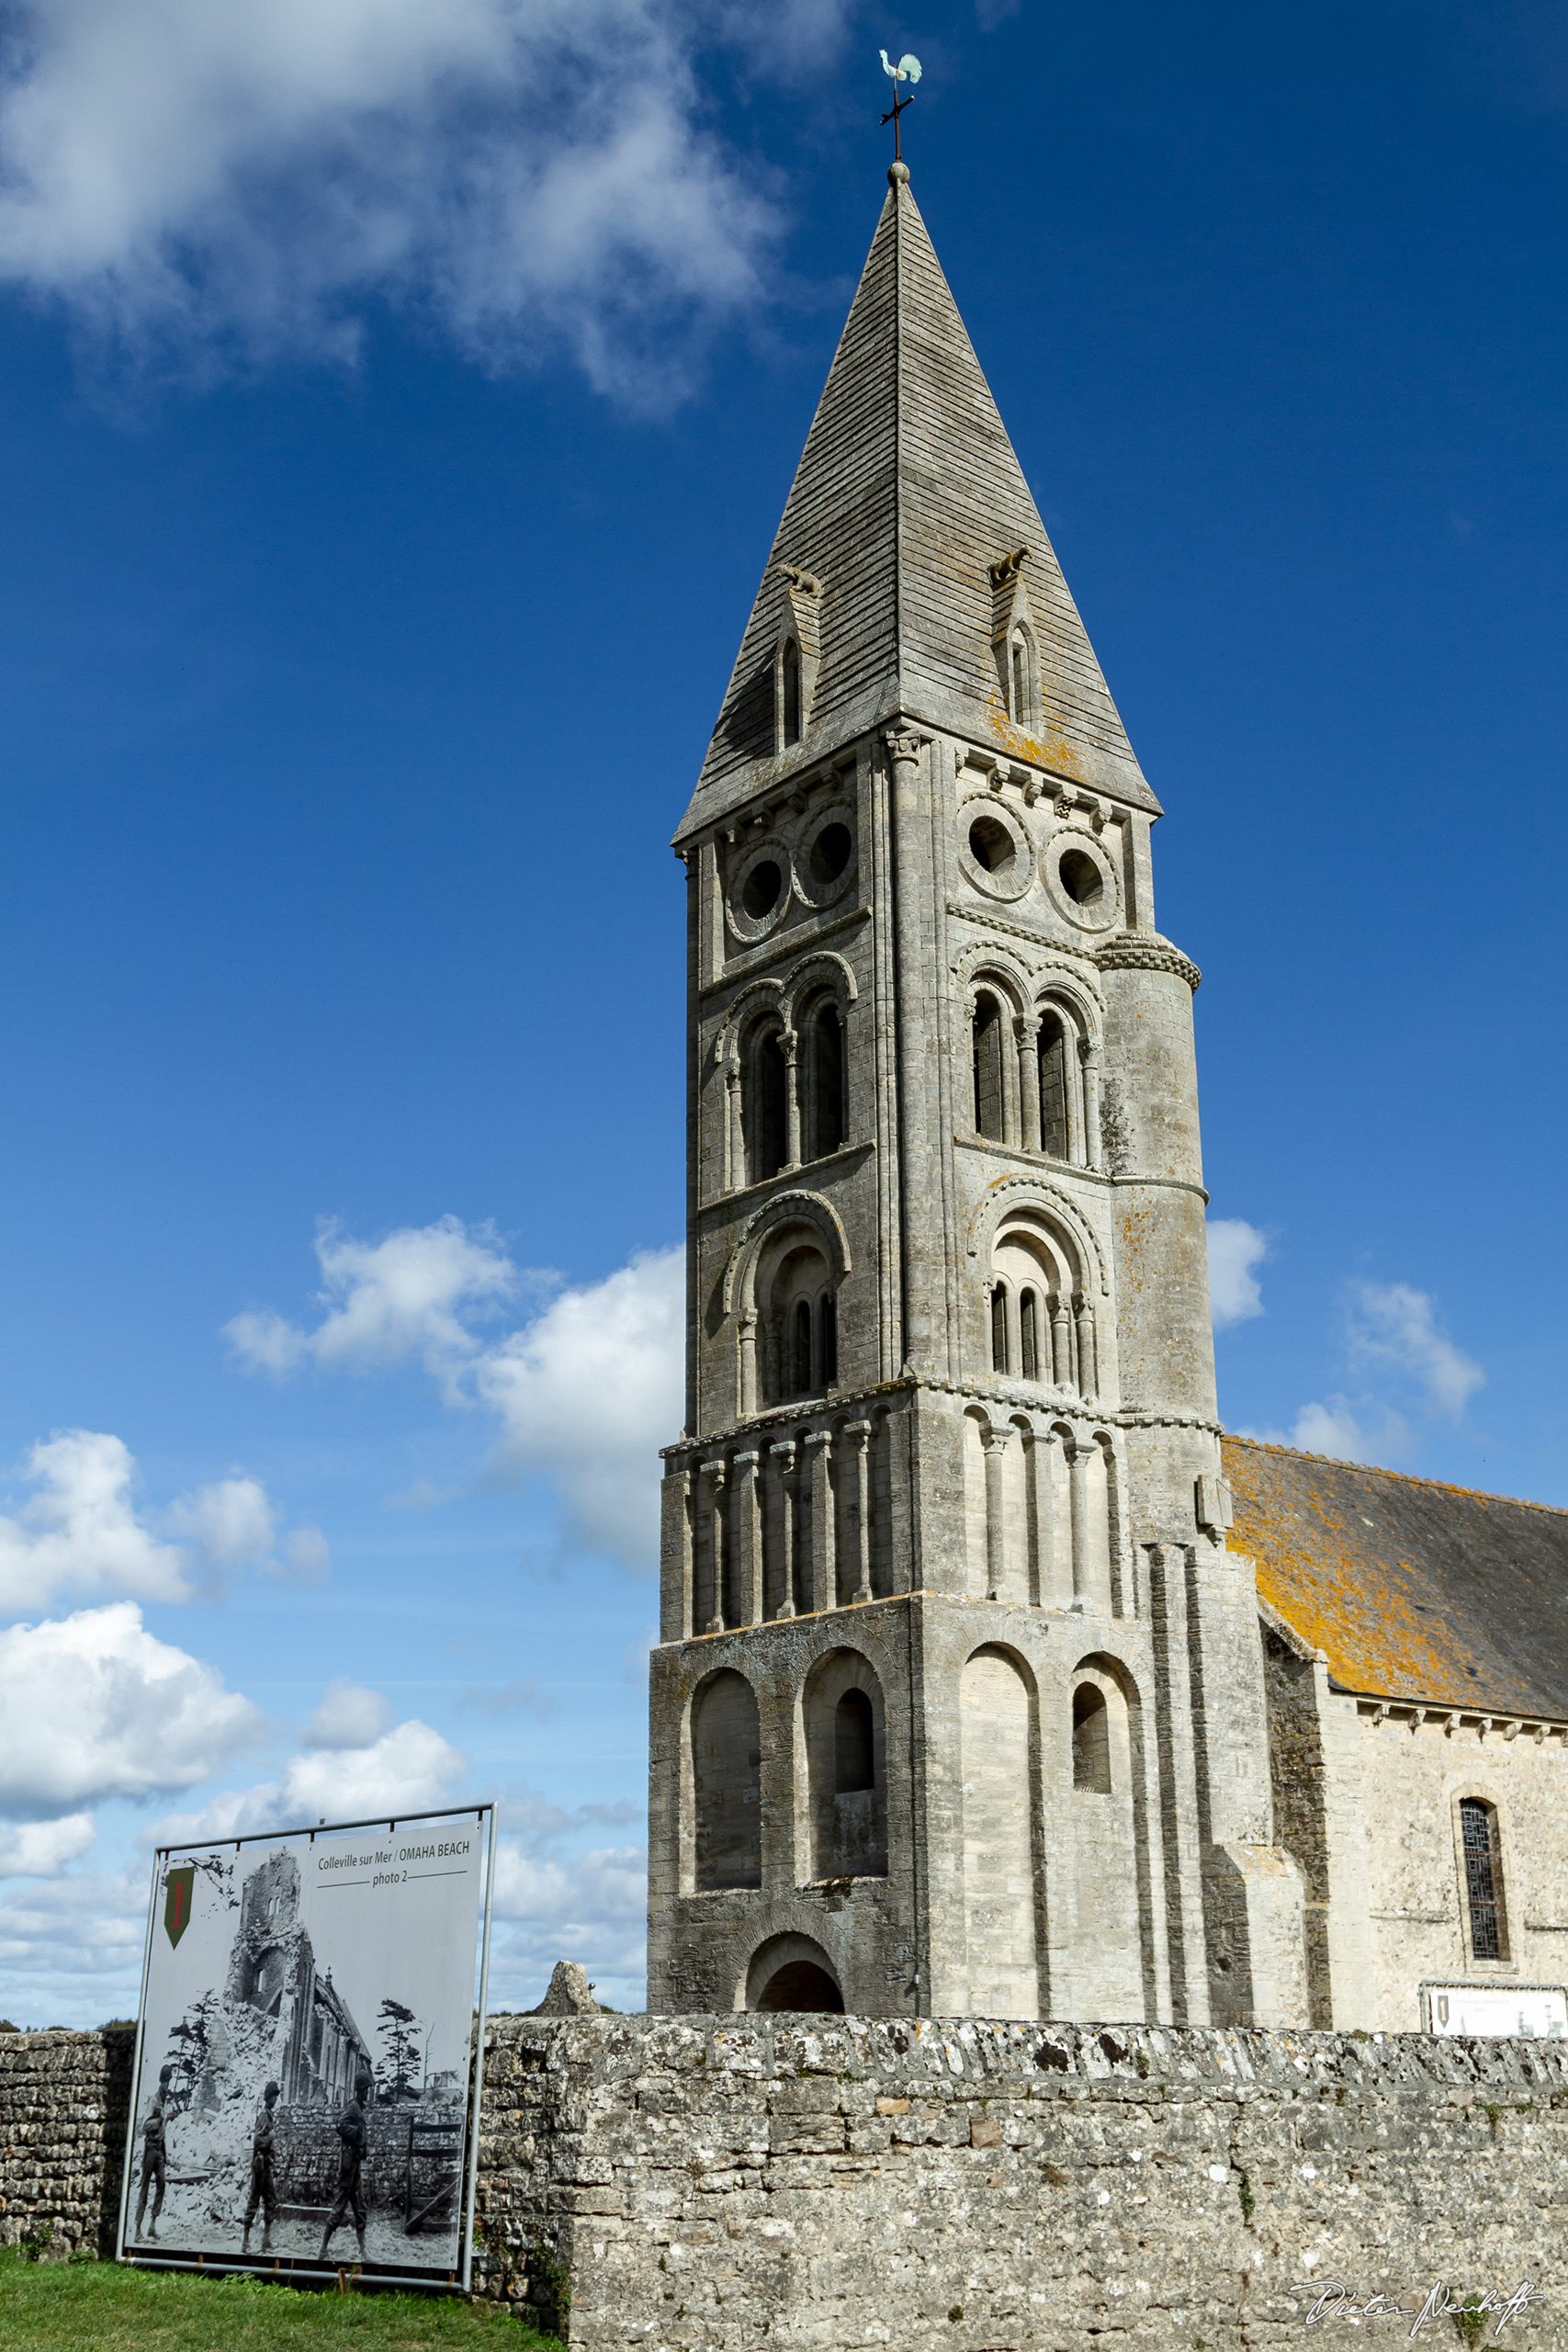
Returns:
(395, 410)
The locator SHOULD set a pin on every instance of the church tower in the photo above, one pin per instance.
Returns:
(958, 1702)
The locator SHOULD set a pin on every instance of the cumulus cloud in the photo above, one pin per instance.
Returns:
(200, 184)
(552, 1904)
(42, 1849)
(1390, 1329)
(348, 1716)
(1234, 1248)
(1391, 1324)
(406, 1295)
(70, 1948)
(96, 1707)
(409, 1768)
(81, 1531)
(585, 1392)
(588, 1393)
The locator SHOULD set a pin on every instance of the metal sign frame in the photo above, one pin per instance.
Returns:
(277, 2268)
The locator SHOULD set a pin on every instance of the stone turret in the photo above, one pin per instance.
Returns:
(958, 1702)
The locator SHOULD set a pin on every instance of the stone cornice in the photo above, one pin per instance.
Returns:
(782, 947)
(1130, 953)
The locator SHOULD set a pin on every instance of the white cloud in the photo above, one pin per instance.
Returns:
(1392, 1324)
(586, 1392)
(1370, 1433)
(41, 1848)
(1234, 1248)
(75, 1945)
(201, 183)
(590, 1391)
(409, 1768)
(386, 1301)
(590, 1906)
(96, 1707)
(80, 1531)
(348, 1716)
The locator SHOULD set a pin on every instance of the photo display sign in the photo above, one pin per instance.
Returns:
(1538, 2012)
(302, 2097)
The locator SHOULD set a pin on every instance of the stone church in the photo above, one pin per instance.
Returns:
(993, 1677)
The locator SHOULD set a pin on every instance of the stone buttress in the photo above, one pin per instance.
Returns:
(958, 1702)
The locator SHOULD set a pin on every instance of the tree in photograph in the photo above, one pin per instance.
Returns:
(399, 2031)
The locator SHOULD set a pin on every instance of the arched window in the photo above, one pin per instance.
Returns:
(726, 1776)
(827, 1083)
(1054, 1083)
(1000, 1328)
(789, 681)
(1483, 1879)
(1020, 678)
(988, 1047)
(800, 1351)
(828, 1324)
(855, 1745)
(1092, 1740)
(768, 1124)
(843, 1719)
(1029, 1335)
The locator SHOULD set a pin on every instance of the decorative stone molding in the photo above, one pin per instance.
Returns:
(904, 743)
(995, 1206)
(1076, 962)
(785, 1208)
(1133, 954)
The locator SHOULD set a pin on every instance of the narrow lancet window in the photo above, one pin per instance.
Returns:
(855, 1745)
(1092, 1740)
(1053, 1086)
(1029, 1335)
(1020, 681)
(1000, 1328)
(828, 1089)
(1482, 1878)
(771, 1119)
(988, 1068)
(800, 1360)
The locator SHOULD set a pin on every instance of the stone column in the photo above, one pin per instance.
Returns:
(1008, 1060)
(713, 1473)
(857, 1551)
(1061, 1344)
(1042, 1521)
(734, 1133)
(748, 1365)
(1028, 1034)
(1078, 1487)
(791, 1045)
(746, 1535)
(995, 1442)
(1092, 1149)
(1072, 1093)
(782, 1458)
(821, 1582)
(1088, 1368)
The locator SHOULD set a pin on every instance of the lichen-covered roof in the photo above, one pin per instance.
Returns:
(908, 490)
(1414, 1591)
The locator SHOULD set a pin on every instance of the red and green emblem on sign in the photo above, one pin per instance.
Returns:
(177, 1892)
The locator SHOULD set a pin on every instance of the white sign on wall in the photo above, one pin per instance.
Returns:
(302, 2099)
(1537, 2012)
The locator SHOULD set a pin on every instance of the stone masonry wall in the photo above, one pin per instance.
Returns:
(737, 2181)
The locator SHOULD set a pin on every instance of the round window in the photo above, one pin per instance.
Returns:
(759, 889)
(1082, 880)
(825, 864)
(994, 851)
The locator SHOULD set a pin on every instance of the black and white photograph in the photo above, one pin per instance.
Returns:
(302, 2094)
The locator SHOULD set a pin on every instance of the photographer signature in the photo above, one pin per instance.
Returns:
(1333, 2300)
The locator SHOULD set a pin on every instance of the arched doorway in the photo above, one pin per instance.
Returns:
(793, 1971)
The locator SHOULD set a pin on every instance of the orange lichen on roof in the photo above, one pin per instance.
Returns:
(1412, 1590)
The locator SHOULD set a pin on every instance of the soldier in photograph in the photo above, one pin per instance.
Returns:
(154, 2152)
(353, 2133)
(263, 2181)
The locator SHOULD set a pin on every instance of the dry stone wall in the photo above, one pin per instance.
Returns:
(732, 2182)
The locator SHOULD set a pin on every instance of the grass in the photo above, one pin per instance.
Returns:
(87, 2306)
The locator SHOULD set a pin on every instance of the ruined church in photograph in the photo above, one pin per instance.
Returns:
(994, 1678)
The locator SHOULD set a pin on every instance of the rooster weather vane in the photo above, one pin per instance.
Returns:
(906, 70)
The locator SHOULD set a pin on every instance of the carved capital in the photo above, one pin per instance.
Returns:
(904, 744)
(995, 1440)
(857, 1433)
(815, 1440)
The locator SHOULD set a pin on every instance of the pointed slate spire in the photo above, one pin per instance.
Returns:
(895, 545)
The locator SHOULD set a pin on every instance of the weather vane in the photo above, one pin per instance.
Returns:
(906, 70)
